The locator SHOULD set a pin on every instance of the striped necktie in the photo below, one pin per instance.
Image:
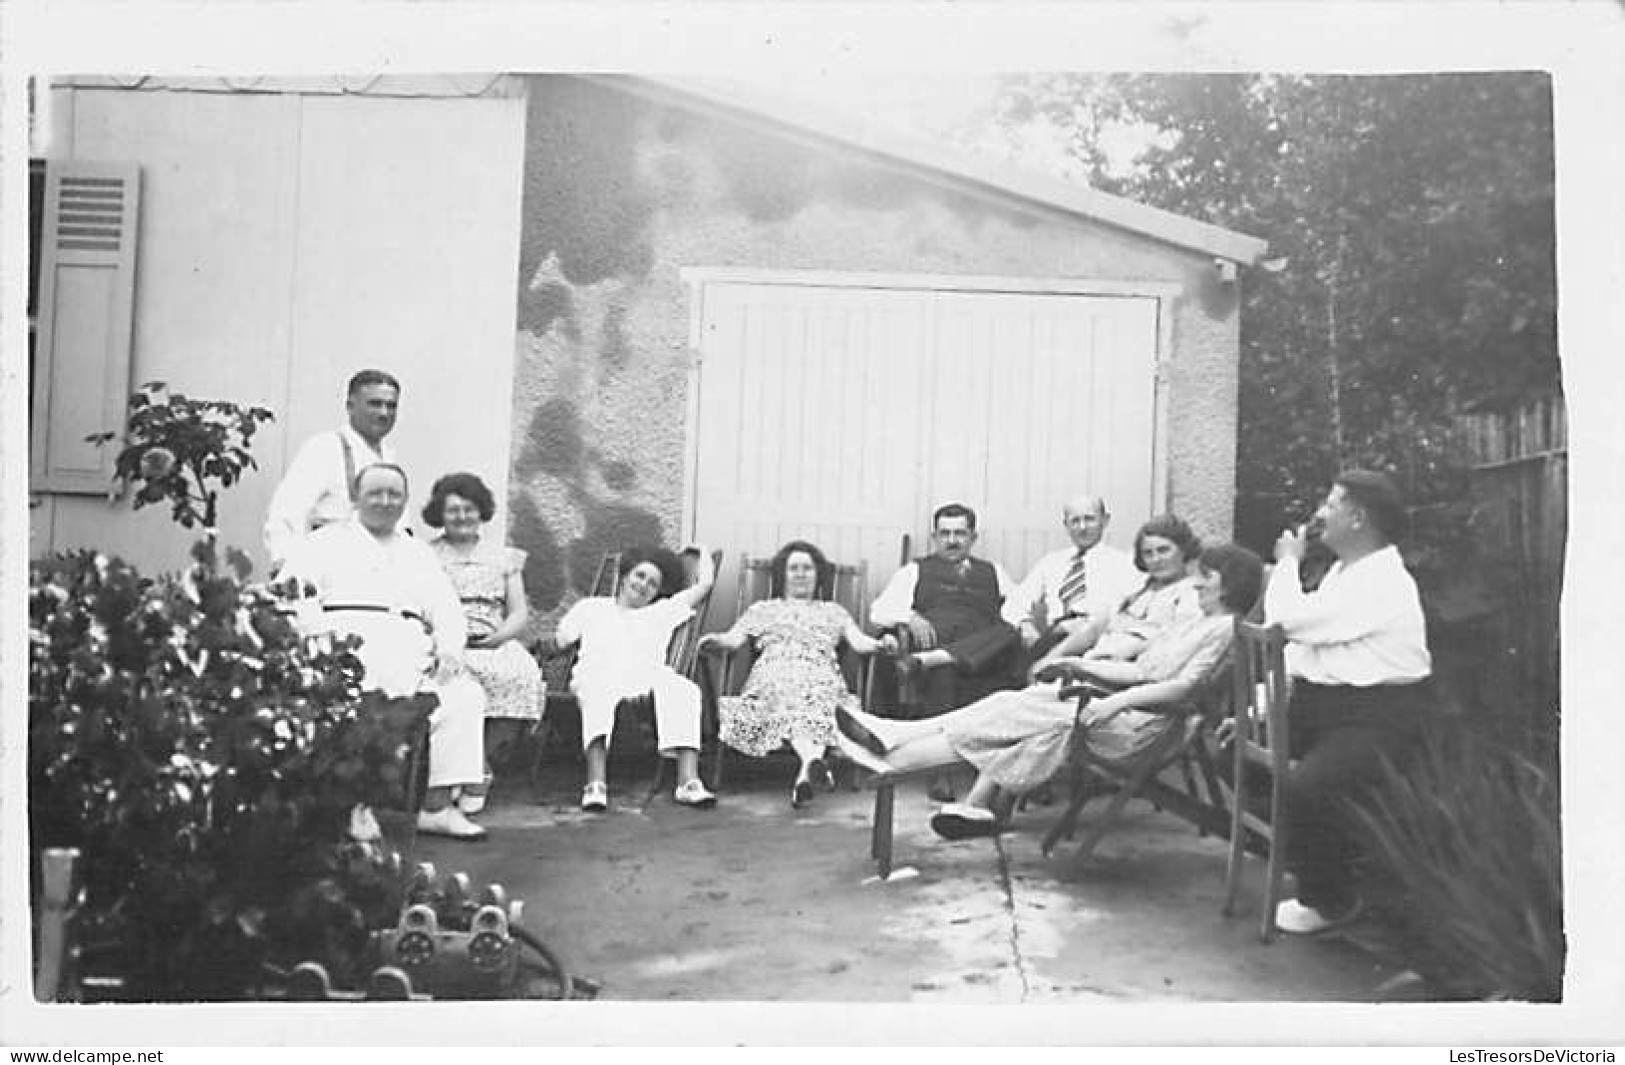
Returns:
(1073, 585)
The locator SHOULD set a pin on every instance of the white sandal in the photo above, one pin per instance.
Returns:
(595, 797)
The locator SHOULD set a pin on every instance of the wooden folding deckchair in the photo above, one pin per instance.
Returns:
(1182, 744)
(725, 674)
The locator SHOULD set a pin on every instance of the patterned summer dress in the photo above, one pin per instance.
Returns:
(796, 683)
(510, 677)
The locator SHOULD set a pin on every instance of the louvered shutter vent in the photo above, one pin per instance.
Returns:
(90, 214)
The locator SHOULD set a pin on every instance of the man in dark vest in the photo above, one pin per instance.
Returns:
(950, 602)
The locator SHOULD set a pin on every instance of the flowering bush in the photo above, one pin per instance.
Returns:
(204, 756)
(176, 447)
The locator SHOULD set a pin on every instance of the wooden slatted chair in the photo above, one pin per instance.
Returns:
(1182, 744)
(1261, 750)
(725, 673)
(680, 656)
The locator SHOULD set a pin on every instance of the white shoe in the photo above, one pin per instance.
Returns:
(363, 825)
(694, 793)
(595, 797)
(449, 821)
(470, 804)
(1300, 920)
(858, 754)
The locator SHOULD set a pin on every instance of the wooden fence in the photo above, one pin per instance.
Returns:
(1518, 459)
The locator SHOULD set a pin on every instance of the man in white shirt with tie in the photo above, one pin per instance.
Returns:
(1358, 658)
(315, 490)
(1071, 588)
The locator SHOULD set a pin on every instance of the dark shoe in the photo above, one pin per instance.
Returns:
(941, 789)
(801, 794)
(959, 821)
(818, 775)
(854, 730)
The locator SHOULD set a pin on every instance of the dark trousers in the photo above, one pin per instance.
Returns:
(984, 660)
(1341, 737)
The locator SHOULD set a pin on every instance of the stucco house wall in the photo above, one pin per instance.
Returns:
(623, 189)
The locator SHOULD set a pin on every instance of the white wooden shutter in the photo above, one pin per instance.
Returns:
(87, 289)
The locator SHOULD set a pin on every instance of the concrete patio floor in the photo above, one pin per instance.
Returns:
(755, 901)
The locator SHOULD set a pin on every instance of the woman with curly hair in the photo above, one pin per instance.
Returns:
(1017, 740)
(489, 582)
(1164, 549)
(796, 684)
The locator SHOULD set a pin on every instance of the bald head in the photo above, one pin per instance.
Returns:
(1085, 519)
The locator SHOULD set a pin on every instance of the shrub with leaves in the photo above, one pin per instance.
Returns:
(1468, 835)
(204, 757)
(184, 450)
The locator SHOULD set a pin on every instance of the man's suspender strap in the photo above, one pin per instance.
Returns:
(349, 465)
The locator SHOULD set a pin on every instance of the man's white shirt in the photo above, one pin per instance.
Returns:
(1109, 578)
(896, 603)
(1362, 626)
(313, 492)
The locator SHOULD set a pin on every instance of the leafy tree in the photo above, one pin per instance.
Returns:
(1412, 268)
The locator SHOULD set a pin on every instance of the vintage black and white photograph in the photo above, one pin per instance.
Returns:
(993, 534)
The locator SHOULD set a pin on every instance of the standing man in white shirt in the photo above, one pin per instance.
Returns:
(374, 581)
(1069, 589)
(1357, 654)
(316, 489)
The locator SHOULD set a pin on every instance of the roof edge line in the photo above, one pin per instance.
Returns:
(1053, 193)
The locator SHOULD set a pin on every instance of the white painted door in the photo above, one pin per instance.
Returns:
(845, 414)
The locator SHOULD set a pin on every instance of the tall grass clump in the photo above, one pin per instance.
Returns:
(1467, 835)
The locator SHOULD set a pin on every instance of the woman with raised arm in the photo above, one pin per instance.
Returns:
(623, 640)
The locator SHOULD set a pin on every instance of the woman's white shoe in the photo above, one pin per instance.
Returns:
(694, 793)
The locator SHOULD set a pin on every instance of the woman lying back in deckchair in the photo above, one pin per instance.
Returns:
(1018, 739)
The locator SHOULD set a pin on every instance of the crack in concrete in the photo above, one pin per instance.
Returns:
(1005, 881)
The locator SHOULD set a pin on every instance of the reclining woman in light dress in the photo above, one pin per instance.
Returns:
(1165, 548)
(795, 684)
(1018, 739)
(623, 642)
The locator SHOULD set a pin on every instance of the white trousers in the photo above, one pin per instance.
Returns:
(396, 654)
(677, 707)
(457, 733)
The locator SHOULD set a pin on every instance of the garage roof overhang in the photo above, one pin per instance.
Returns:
(936, 162)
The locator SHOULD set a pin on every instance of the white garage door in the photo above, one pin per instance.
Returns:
(844, 414)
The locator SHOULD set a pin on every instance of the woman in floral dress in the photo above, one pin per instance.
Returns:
(488, 580)
(796, 684)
